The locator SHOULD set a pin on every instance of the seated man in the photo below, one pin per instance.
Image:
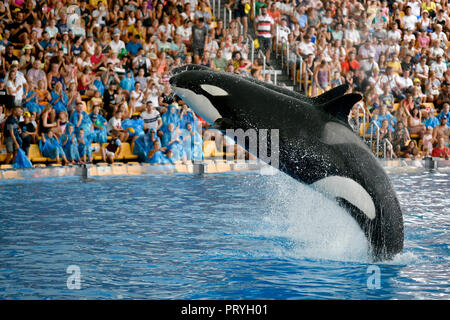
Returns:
(113, 148)
(441, 151)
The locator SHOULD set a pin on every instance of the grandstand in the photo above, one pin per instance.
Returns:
(62, 59)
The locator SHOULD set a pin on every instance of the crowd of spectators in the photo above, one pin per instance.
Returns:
(75, 73)
(395, 53)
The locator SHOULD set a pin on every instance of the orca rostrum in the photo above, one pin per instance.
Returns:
(316, 145)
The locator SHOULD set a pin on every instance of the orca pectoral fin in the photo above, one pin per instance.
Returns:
(341, 106)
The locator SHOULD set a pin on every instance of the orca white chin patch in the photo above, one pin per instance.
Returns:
(199, 103)
(348, 189)
(213, 90)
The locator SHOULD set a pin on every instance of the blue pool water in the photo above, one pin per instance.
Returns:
(231, 236)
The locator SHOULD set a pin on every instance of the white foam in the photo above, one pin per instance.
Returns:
(316, 226)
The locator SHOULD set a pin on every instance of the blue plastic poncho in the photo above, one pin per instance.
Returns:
(70, 144)
(22, 161)
(61, 104)
(51, 148)
(84, 145)
(171, 116)
(100, 86)
(128, 82)
(86, 123)
(33, 105)
(98, 135)
(192, 145)
(134, 126)
(144, 144)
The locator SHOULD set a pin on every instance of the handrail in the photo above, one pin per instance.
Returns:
(307, 73)
(358, 107)
(387, 142)
(252, 48)
(378, 137)
(241, 27)
(260, 53)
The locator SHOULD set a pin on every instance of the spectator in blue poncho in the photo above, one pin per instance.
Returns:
(171, 140)
(128, 81)
(31, 101)
(135, 127)
(156, 155)
(84, 147)
(99, 122)
(59, 98)
(187, 116)
(70, 144)
(170, 117)
(144, 144)
(192, 143)
(50, 147)
(80, 119)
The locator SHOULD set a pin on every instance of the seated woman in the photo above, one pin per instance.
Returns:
(31, 101)
(171, 140)
(59, 98)
(50, 147)
(46, 124)
(99, 122)
(192, 143)
(84, 147)
(80, 119)
(70, 144)
(415, 125)
(43, 95)
(144, 144)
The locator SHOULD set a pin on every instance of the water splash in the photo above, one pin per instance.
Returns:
(313, 225)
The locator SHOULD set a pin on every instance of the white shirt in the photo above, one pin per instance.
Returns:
(410, 22)
(404, 82)
(306, 48)
(438, 68)
(138, 96)
(150, 119)
(113, 123)
(117, 46)
(352, 35)
(184, 32)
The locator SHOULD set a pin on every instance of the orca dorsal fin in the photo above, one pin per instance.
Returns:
(331, 94)
(340, 107)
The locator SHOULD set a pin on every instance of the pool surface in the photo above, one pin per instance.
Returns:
(229, 236)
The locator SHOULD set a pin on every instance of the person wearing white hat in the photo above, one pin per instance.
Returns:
(116, 44)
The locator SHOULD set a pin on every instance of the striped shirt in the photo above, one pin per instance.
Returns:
(263, 26)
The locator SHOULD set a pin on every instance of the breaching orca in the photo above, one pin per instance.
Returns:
(316, 145)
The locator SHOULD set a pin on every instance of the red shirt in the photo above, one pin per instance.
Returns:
(96, 59)
(441, 153)
(346, 65)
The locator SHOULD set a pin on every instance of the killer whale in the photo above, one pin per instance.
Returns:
(316, 146)
(323, 98)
